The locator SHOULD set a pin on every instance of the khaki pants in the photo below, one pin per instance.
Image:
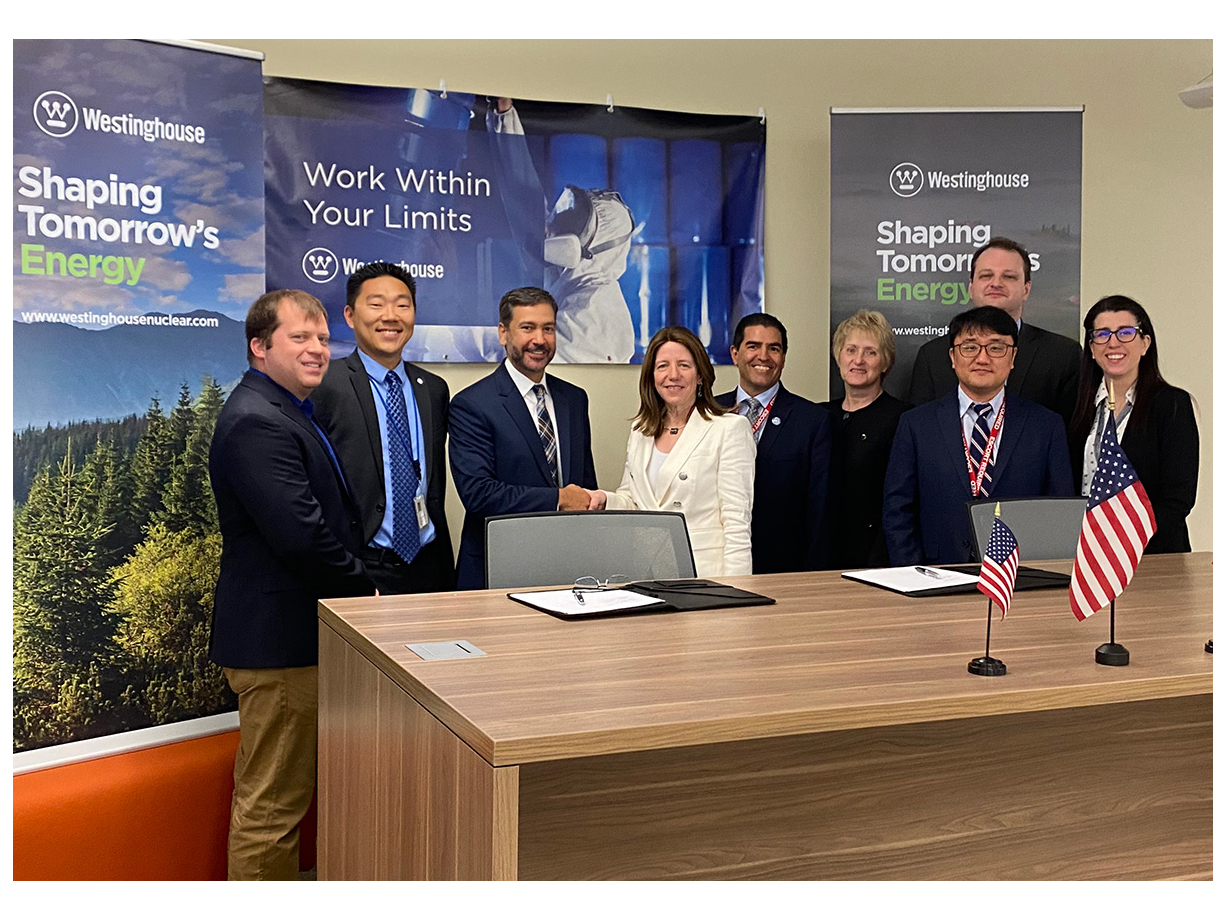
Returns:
(274, 770)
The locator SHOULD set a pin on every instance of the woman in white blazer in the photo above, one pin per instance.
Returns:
(687, 454)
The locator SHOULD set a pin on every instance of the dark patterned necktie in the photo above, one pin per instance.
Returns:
(406, 538)
(544, 427)
(979, 441)
(753, 411)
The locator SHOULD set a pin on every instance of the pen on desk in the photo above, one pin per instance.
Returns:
(578, 596)
(928, 572)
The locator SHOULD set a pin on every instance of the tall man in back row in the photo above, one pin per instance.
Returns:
(1046, 364)
(791, 526)
(289, 537)
(978, 441)
(387, 420)
(520, 438)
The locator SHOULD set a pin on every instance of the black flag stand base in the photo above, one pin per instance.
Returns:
(987, 665)
(1111, 654)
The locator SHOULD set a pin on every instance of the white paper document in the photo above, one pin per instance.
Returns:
(570, 602)
(911, 579)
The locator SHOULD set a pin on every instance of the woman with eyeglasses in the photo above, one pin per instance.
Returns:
(686, 453)
(1155, 421)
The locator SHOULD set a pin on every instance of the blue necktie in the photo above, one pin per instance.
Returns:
(406, 538)
(979, 440)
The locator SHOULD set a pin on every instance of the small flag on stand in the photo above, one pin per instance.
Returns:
(1119, 522)
(999, 571)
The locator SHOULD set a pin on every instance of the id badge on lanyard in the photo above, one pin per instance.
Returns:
(976, 475)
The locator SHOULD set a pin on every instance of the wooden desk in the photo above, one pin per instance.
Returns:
(836, 734)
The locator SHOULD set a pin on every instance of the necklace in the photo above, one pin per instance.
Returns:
(675, 430)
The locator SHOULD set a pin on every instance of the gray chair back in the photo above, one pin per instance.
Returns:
(1046, 528)
(539, 550)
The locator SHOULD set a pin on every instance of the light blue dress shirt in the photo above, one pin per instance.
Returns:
(377, 373)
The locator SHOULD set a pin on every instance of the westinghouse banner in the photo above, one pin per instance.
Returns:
(915, 192)
(634, 219)
(138, 243)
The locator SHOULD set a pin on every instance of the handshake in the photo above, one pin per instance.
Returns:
(578, 498)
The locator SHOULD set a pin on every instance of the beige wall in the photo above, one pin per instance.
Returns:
(1147, 199)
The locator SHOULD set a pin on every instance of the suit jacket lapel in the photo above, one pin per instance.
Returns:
(426, 413)
(562, 419)
(517, 409)
(1026, 351)
(692, 435)
(1010, 435)
(949, 422)
(370, 417)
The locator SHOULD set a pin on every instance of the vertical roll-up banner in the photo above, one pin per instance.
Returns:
(633, 219)
(138, 244)
(913, 194)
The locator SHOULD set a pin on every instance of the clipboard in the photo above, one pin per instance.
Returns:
(959, 579)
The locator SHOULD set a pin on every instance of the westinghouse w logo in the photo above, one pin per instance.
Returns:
(55, 113)
(320, 265)
(906, 179)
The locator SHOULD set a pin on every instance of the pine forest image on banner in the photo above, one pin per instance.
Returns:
(634, 219)
(138, 246)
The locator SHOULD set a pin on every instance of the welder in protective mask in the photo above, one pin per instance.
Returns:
(588, 239)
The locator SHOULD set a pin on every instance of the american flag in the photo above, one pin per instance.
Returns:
(999, 571)
(1119, 522)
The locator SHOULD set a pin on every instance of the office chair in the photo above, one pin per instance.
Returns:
(539, 550)
(1045, 528)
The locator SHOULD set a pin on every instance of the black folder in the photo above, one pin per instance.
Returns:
(697, 593)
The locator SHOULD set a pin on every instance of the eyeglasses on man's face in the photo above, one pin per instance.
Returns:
(1123, 334)
(971, 349)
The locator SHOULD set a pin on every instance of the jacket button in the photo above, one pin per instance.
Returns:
(676, 504)
(683, 477)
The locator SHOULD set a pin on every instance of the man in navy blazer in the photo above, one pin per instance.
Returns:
(974, 443)
(520, 439)
(289, 537)
(359, 407)
(791, 525)
(1045, 366)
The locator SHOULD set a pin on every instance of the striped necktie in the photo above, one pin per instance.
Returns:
(979, 440)
(544, 427)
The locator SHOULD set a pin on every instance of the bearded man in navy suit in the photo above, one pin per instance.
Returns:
(520, 438)
(790, 530)
(973, 443)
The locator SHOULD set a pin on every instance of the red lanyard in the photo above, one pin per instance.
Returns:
(766, 410)
(976, 475)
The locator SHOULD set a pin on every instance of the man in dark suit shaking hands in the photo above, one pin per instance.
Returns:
(289, 537)
(1045, 364)
(790, 527)
(520, 438)
(978, 441)
(387, 420)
